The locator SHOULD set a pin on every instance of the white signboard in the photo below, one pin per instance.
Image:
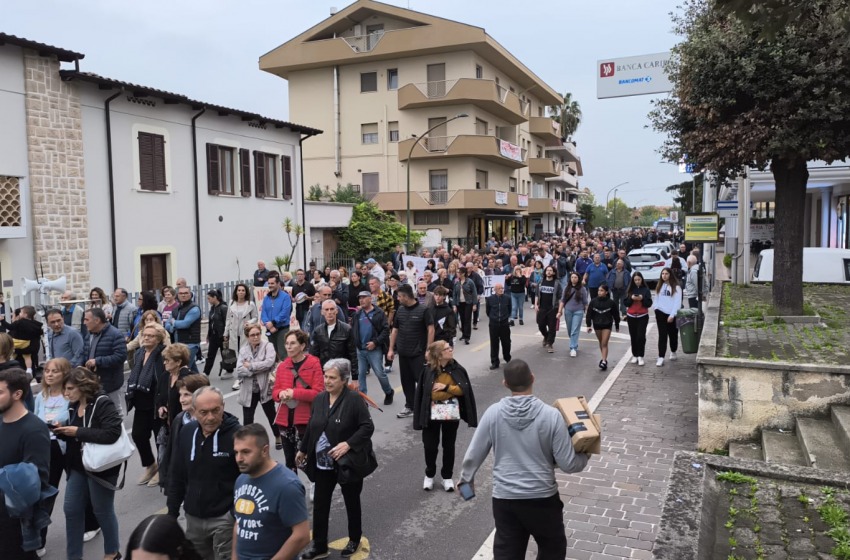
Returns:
(491, 281)
(633, 75)
(501, 197)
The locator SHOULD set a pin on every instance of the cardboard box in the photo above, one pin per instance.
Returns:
(584, 427)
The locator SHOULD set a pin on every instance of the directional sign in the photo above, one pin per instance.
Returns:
(727, 208)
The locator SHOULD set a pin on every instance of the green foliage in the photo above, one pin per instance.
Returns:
(373, 232)
(586, 211)
(727, 260)
(348, 194)
(567, 114)
(833, 514)
(684, 193)
(735, 477)
(282, 263)
(315, 193)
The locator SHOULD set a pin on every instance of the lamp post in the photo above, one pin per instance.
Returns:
(613, 189)
(409, 156)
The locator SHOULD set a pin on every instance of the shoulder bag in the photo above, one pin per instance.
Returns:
(98, 457)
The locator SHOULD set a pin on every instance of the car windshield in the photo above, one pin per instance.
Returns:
(644, 257)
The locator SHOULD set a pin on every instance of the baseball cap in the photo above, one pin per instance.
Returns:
(364, 294)
(370, 261)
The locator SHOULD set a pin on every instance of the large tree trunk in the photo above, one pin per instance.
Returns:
(791, 178)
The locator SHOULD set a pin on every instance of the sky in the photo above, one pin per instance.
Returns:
(209, 50)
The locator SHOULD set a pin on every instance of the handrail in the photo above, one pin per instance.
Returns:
(364, 43)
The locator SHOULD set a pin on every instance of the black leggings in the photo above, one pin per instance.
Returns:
(666, 330)
(325, 483)
(145, 426)
(268, 408)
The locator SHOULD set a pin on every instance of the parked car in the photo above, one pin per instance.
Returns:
(649, 263)
(820, 266)
(663, 247)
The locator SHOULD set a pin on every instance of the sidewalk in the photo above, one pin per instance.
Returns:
(612, 509)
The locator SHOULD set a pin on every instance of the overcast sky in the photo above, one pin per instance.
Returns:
(209, 50)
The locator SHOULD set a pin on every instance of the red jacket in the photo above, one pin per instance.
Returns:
(311, 373)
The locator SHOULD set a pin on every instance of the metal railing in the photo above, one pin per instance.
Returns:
(364, 43)
(437, 144)
(438, 197)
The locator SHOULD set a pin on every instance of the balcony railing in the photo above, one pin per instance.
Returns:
(485, 94)
(437, 197)
(486, 147)
(364, 43)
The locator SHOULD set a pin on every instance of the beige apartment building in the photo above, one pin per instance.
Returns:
(404, 94)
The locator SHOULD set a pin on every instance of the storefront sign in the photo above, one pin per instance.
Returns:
(633, 75)
(702, 228)
(761, 232)
(501, 197)
(522, 200)
(509, 150)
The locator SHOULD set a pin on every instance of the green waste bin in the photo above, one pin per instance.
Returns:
(686, 320)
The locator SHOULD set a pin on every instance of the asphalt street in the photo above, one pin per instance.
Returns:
(400, 519)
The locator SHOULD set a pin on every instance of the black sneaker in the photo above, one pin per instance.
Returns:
(466, 341)
(350, 549)
(494, 365)
(475, 326)
(521, 322)
(511, 323)
(388, 397)
(314, 552)
(603, 365)
(406, 413)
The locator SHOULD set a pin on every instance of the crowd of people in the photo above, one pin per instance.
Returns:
(303, 354)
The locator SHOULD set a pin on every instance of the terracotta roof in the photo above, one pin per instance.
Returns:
(63, 55)
(169, 97)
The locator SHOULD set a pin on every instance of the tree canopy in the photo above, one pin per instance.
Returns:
(686, 192)
(373, 232)
(567, 114)
(744, 95)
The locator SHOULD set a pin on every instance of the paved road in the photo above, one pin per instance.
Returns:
(400, 520)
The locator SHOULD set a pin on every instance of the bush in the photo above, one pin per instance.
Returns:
(727, 261)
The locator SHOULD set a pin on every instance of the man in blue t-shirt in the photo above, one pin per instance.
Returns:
(268, 502)
(595, 275)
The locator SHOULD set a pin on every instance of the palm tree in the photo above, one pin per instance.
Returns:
(568, 115)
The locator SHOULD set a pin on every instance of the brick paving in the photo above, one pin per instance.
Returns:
(613, 508)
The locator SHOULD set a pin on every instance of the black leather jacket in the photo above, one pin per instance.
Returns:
(341, 344)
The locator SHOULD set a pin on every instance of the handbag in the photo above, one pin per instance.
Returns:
(356, 464)
(98, 457)
(445, 410)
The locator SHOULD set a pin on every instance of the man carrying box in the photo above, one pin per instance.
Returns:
(527, 435)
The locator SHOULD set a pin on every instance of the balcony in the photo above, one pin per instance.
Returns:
(459, 199)
(564, 179)
(545, 128)
(488, 148)
(567, 207)
(545, 167)
(364, 43)
(12, 211)
(542, 205)
(566, 150)
(485, 94)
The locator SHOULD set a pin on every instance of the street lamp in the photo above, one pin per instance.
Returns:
(614, 189)
(409, 156)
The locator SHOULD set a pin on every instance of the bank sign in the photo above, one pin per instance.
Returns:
(634, 75)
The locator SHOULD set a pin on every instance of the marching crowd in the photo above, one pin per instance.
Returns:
(303, 354)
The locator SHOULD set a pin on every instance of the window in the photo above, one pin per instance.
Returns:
(154, 269)
(479, 72)
(480, 127)
(370, 185)
(286, 167)
(392, 78)
(512, 184)
(430, 217)
(368, 82)
(392, 131)
(438, 183)
(245, 168)
(265, 175)
(152, 162)
(480, 179)
(221, 175)
(369, 133)
(538, 190)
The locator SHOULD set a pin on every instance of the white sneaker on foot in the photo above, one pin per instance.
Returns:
(89, 535)
(312, 492)
(640, 361)
(672, 356)
(236, 385)
(572, 353)
(428, 483)
(633, 360)
(659, 362)
(449, 485)
(41, 552)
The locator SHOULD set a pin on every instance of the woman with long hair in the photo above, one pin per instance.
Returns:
(99, 299)
(215, 327)
(149, 317)
(255, 366)
(240, 312)
(355, 286)
(572, 306)
(534, 281)
(443, 385)
(160, 537)
(668, 302)
(147, 375)
(343, 274)
(603, 313)
(637, 302)
(92, 418)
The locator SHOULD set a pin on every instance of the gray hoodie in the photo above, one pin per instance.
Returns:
(529, 439)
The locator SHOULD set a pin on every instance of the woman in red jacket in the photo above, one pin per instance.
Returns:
(298, 380)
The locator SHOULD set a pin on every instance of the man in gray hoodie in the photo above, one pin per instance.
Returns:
(529, 439)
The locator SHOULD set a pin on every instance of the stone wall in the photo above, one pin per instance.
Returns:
(57, 174)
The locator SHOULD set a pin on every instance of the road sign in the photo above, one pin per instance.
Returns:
(702, 227)
(727, 208)
(674, 216)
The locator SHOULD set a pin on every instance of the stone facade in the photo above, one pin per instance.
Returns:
(57, 178)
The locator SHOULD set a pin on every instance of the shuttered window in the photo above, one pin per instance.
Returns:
(245, 175)
(152, 162)
(221, 173)
(286, 166)
(265, 175)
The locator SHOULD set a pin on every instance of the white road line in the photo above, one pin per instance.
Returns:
(486, 550)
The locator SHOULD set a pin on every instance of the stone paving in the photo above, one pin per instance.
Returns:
(613, 508)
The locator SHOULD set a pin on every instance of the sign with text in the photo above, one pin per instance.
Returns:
(510, 151)
(702, 227)
(522, 200)
(501, 197)
(633, 75)
(491, 281)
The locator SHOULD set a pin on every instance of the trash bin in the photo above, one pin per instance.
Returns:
(686, 320)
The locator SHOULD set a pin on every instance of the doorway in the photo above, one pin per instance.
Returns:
(154, 269)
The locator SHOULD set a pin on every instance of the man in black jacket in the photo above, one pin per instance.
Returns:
(371, 333)
(413, 332)
(203, 475)
(333, 338)
(499, 311)
(105, 353)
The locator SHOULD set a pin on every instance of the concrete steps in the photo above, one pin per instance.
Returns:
(818, 443)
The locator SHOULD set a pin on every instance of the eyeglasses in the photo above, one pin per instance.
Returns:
(253, 334)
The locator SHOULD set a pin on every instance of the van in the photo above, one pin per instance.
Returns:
(820, 266)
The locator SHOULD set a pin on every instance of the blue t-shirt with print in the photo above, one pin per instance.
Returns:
(266, 508)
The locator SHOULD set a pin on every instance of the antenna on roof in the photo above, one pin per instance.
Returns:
(333, 10)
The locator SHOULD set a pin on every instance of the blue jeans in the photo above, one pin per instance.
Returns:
(79, 489)
(372, 359)
(194, 350)
(573, 322)
(517, 301)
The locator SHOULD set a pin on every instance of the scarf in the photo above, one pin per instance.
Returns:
(142, 376)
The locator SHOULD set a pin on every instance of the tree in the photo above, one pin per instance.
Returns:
(647, 215)
(742, 97)
(373, 232)
(684, 193)
(587, 214)
(291, 229)
(618, 213)
(568, 115)
(772, 15)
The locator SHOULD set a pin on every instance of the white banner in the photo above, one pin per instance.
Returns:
(419, 265)
(501, 197)
(510, 151)
(522, 200)
(491, 281)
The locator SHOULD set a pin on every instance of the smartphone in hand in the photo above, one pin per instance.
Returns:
(466, 491)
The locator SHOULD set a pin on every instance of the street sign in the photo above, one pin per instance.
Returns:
(674, 216)
(633, 75)
(702, 227)
(727, 208)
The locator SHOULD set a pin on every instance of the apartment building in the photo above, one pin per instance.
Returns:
(407, 98)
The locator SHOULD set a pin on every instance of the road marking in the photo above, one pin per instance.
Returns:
(362, 552)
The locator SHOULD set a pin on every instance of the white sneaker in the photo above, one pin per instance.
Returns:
(312, 492)
(236, 385)
(659, 362)
(572, 353)
(640, 361)
(673, 356)
(633, 360)
(449, 485)
(428, 483)
(89, 535)
(41, 552)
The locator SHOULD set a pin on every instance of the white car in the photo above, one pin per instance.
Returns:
(649, 263)
(820, 265)
(664, 247)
